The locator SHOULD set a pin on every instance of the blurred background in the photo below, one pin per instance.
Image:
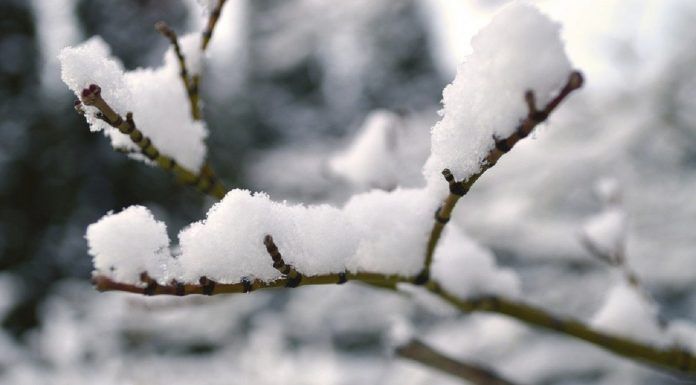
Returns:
(289, 85)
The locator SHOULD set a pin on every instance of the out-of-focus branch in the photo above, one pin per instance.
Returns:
(459, 188)
(674, 359)
(416, 350)
(205, 181)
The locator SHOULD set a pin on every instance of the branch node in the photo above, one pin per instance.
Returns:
(207, 285)
(179, 288)
(439, 218)
(151, 287)
(248, 287)
(422, 278)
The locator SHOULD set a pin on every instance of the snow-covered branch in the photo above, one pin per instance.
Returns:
(205, 181)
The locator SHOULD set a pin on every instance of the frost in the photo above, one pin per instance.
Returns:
(519, 50)
(467, 269)
(156, 97)
(128, 243)
(627, 312)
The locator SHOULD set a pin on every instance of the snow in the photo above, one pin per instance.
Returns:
(683, 333)
(393, 229)
(128, 243)
(519, 50)
(384, 232)
(156, 97)
(467, 269)
(228, 245)
(606, 231)
(375, 231)
(369, 161)
(628, 313)
(57, 26)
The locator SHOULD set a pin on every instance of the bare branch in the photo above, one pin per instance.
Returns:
(205, 181)
(418, 351)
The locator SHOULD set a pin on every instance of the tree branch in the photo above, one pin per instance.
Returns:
(205, 181)
(460, 188)
(416, 350)
(674, 359)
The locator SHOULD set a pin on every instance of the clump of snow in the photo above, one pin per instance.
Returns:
(629, 313)
(605, 233)
(370, 159)
(683, 334)
(519, 50)
(467, 269)
(228, 244)
(156, 97)
(609, 191)
(400, 332)
(383, 232)
(128, 243)
(393, 229)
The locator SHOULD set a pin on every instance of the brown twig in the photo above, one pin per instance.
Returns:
(186, 79)
(204, 181)
(416, 350)
(212, 22)
(459, 188)
(294, 278)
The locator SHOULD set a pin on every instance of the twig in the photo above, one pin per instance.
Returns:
(205, 181)
(294, 278)
(191, 90)
(212, 22)
(459, 188)
(195, 80)
(416, 350)
(675, 358)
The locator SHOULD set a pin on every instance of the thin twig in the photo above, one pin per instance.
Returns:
(205, 181)
(294, 278)
(416, 350)
(212, 22)
(191, 91)
(459, 188)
